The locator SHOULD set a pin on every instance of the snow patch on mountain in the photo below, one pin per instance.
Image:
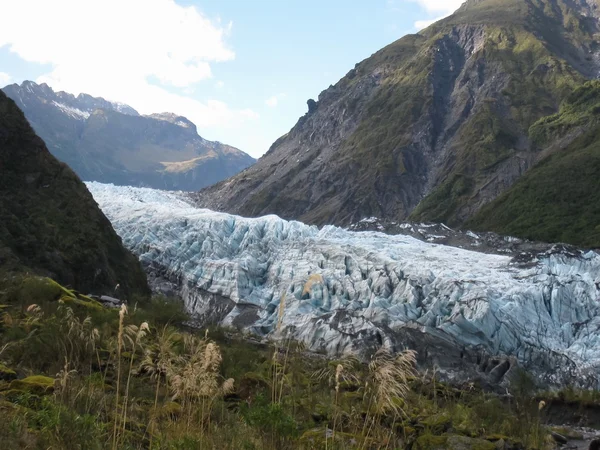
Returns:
(124, 109)
(75, 113)
(350, 291)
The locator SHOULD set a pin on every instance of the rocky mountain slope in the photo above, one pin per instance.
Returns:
(49, 222)
(436, 125)
(112, 143)
(340, 291)
(559, 198)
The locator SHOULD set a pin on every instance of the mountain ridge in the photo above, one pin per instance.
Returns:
(431, 128)
(49, 222)
(111, 142)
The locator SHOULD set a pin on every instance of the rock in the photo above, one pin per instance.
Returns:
(37, 384)
(107, 301)
(559, 438)
(450, 442)
(312, 106)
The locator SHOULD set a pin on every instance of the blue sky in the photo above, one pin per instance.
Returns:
(241, 70)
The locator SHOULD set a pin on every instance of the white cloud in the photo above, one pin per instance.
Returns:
(441, 9)
(421, 24)
(125, 50)
(440, 6)
(220, 84)
(4, 79)
(273, 101)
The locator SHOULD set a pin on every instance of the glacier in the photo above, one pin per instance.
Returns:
(340, 291)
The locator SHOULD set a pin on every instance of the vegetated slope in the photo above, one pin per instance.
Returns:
(559, 199)
(112, 143)
(432, 127)
(49, 222)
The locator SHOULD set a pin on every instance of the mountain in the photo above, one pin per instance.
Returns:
(49, 222)
(345, 291)
(558, 199)
(112, 143)
(439, 124)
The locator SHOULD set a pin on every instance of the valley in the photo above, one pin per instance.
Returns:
(414, 265)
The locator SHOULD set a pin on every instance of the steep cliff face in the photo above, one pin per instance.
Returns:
(49, 222)
(113, 143)
(432, 127)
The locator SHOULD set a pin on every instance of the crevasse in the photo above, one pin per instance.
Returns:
(350, 291)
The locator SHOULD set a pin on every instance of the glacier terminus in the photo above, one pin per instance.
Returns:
(464, 311)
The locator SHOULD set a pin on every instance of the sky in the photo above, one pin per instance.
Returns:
(241, 70)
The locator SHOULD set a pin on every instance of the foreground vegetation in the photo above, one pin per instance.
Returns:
(75, 375)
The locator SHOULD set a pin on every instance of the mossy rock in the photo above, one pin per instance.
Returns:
(89, 305)
(569, 433)
(7, 374)
(37, 384)
(41, 289)
(451, 442)
(438, 423)
(431, 442)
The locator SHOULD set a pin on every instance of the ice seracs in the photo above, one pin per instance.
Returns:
(354, 291)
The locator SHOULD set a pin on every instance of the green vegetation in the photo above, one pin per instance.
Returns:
(135, 378)
(580, 109)
(557, 200)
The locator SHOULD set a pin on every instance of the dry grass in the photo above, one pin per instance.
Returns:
(174, 391)
(140, 333)
(313, 279)
(120, 335)
(389, 377)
